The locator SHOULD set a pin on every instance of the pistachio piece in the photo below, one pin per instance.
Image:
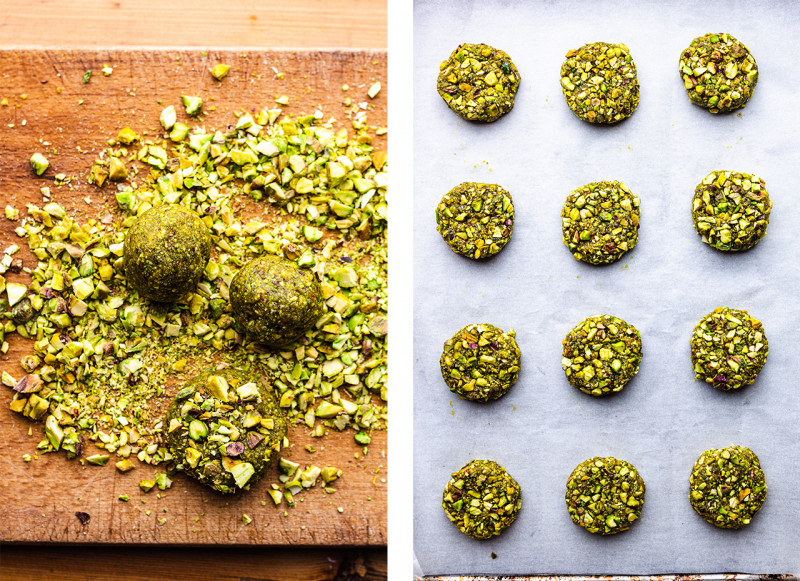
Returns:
(15, 292)
(39, 163)
(197, 430)
(220, 71)
(168, 117)
(193, 105)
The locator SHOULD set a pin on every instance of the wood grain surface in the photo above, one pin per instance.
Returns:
(126, 563)
(201, 23)
(39, 499)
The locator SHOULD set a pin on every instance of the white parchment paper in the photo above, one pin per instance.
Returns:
(662, 420)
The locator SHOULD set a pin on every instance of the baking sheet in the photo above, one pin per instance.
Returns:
(662, 420)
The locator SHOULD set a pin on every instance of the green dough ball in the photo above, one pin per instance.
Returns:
(600, 222)
(275, 300)
(224, 428)
(166, 252)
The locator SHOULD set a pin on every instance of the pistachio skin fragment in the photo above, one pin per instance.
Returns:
(275, 301)
(478, 82)
(480, 362)
(600, 222)
(218, 458)
(718, 72)
(727, 486)
(481, 499)
(731, 210)
(728, 348)
(601, 354)
(476, 220)
(599, 82)
(166, 252)
(604, 495)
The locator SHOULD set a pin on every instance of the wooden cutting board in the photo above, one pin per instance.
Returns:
(48, 102)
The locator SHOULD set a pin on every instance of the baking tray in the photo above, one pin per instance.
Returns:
(662, 420)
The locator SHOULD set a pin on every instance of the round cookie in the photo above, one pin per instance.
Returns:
(600, 222)
(718, 72)
(480, 362)
(599, 82)
(605, 495)
(224, 428)
(731, 210)
(728, 348)
(482, 499)
(601, 354)
(476, 220)
(275, 300)
(727, 486)
(478, 82)
(166, 251)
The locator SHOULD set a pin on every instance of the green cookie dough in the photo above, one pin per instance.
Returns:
(605, 495)
(476, 220)
(480, 362)
(482, 499)
(718, 72)
(731, 210)
(728, 348)
(224, 428)
(478, 82)
(727, 486)
(275, 300)
(601, 354)
(600, 222)
(166, 251)
(599, 82)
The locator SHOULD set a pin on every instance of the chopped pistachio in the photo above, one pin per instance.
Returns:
(16, 292)
(124, 465)
(98, 459)
(193, 105)
(220, 71)
(127, 136)
(39, 163)
(147, 485)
